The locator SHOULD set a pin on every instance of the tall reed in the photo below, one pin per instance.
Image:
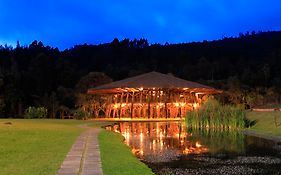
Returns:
(214, 115)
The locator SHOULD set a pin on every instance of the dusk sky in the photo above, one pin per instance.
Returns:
(64, 23)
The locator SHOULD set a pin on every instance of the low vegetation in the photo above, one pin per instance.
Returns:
(117, 158)
(35, 112)
(214, 115)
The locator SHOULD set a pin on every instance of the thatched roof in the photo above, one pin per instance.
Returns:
(151, 80)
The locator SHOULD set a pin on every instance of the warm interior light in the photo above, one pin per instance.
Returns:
(116, 106)
(182, 141)
(198, 145)
(182, 104)
(177, 104)
(195, 105)
(198, 93)
(123, 104)
(159, 105)
(141, 88)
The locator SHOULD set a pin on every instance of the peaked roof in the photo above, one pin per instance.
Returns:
(148, 81)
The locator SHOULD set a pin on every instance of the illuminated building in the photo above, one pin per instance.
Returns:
(150, 95)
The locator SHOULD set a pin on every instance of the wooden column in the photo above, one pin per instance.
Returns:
(114, 111)
(180, 112)
(139, 111)
(168, 98)
(142, 106)
(157, 100)
(132, 104)
(120, 106)
(166, 111)
(111, 101)
(144, 109)
(106, 107)
(127, 101)
(148, 104)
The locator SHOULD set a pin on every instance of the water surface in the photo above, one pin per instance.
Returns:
(170, 148)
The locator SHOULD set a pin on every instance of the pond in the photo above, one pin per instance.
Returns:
(169, 148)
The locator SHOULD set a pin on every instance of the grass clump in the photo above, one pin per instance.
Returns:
(117, 159)
(214, 115)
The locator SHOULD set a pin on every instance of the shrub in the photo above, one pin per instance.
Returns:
(214, 115)
(35, 112)
(80, 114)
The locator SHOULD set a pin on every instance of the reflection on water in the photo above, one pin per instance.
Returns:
(146, 138)
(169, 148)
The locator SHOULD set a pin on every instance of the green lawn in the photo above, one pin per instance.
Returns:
(36, 147)
(265, 122)
(116, 157)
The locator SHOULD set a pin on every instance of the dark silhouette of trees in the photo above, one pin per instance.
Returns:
(249, 67)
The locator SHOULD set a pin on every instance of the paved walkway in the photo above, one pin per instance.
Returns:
(84, 156)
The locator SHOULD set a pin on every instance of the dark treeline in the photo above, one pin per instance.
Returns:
(248, 67)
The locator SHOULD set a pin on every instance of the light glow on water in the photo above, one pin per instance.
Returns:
(164, 145)
(151, 138)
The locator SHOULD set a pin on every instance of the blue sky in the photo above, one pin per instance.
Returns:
(64, 23)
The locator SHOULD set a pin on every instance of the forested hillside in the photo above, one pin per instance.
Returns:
(247, 67)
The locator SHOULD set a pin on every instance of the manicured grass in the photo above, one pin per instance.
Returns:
(36, 147)
(117, 159)
(265, 122)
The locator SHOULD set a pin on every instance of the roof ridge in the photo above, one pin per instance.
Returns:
(152, 79)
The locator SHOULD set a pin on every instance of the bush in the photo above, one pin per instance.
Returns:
(35, 112)
(214, 115)
(80, 114)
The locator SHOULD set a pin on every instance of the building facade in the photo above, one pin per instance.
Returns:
(151, 95)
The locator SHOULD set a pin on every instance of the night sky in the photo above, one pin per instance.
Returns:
(64, 23)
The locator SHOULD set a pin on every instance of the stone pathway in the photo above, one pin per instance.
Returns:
(84, 156)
